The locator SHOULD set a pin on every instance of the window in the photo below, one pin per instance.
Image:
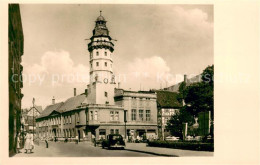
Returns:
(111, 115)
(97, 63)
(111, 131)
(96, 115)
(91, 115)
(116, 115)
(105, 94)
(105, 64)
(77, 117)
(91, 65)
(97, 53)
(133, 115)
(105, 53)
(141, 115)
(117, 131)
(91, 55)
(70, 119)
(148, 115)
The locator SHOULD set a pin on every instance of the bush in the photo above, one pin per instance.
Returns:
(183, 145)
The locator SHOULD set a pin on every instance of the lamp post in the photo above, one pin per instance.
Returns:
(125, 120)
(33, 116)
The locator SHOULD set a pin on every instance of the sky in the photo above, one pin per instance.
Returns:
(156, 45)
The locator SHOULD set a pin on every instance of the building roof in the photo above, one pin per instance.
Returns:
(73, 103)
(175, 88)
(50, 108)
(100, 18)
(39, 108)
(167, 99)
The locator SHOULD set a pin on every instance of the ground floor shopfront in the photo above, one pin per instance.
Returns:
(98, 132)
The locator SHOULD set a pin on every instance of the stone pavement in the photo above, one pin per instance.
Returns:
(141, 147)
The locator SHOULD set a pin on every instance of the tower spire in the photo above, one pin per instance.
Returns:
(100, 12)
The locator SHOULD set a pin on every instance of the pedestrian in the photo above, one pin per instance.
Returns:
(27, 145)
(18, 146)
(31, 143)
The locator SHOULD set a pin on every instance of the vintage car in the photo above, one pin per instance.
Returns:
(172, 138)
(113, 141)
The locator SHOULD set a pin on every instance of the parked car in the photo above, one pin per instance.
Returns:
(189, 138)
(198, 138)
(172, 138)
(113, 141)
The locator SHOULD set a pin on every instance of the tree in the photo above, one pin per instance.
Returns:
(175, 124)
(200, 96)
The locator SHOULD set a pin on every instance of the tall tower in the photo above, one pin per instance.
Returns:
(102, 81)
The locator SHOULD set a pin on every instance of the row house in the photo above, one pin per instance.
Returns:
(167, 105)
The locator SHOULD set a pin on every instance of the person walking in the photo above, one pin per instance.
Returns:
(27, 145)
(31, 143)
(18, 146)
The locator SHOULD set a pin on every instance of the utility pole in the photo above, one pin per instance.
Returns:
(33, 116)
(125, 120)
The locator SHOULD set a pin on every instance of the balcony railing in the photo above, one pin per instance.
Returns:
(101, 44)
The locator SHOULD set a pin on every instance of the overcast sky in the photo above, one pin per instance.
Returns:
(155, 44)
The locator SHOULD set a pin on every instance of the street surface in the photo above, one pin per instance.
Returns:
(87, 149)
(83, 149)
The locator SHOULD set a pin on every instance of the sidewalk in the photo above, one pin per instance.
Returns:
(141, 147)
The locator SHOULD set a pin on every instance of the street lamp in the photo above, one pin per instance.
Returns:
(125, 120)
(33, 116)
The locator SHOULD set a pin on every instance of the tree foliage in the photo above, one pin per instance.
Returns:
(200, 96)
(175, 124)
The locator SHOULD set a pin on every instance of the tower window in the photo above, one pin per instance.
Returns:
(97, 53)
(105, 63)
(105, 53)
(97, 63)
(105, 94)
(91, 65)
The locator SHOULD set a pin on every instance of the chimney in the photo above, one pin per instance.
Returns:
(185, 78)
(53, 100)
(75, 93)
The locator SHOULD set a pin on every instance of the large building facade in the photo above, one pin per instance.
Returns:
(102, 109)
(15, 49)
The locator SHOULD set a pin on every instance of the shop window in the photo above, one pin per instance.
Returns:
(111, 131)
